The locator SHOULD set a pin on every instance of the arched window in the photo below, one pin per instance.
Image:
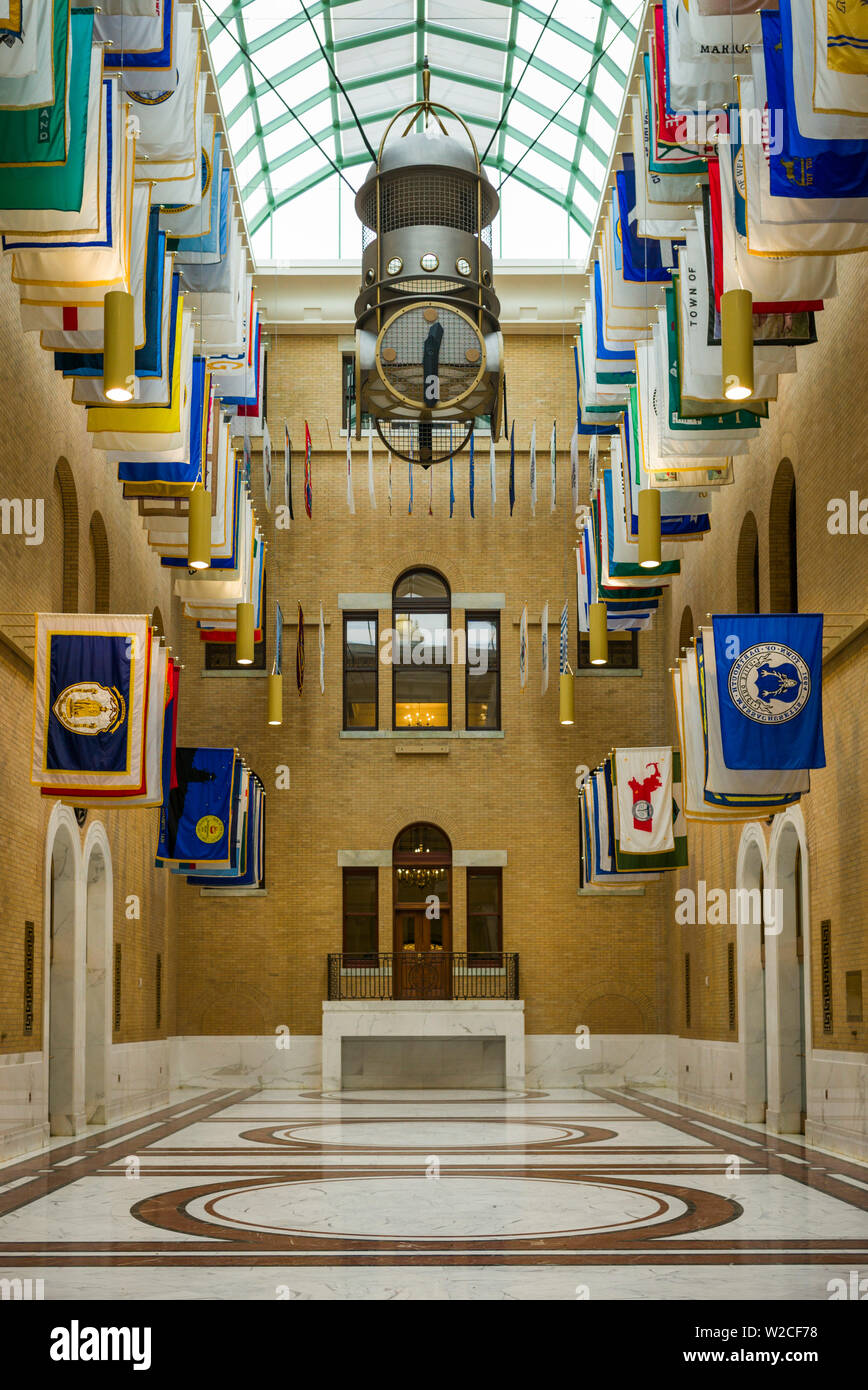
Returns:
(783, 565)
(686, 630)
(421, 652)
(101, 571)
(422, 869)
(67, 502)
(747, 567)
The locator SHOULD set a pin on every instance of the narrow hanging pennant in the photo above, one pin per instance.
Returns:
(287, 470)
(299, 652)
(492, 475)
(574, 467)
(512, 469)
(308, 484)
(554, 461)
(321, 651)
(371, 493)
(350, 500)
(472, 477)
(390, 482)
(410, 474)
(451, 485)
(533, 470)
(430, 491)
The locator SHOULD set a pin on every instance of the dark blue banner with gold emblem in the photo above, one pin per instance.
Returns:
(196, 816)
(769, 682)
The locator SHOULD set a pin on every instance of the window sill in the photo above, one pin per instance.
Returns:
(628, 890)
(421, 733)
(233, 675)
(233, 892)
(609, 671)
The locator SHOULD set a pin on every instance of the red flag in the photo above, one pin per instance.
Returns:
(308, 489)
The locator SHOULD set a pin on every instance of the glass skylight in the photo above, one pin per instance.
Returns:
(287, 117)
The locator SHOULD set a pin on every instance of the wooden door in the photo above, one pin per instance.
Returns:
(422, 963)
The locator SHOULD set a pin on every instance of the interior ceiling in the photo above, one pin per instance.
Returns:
(479, 52)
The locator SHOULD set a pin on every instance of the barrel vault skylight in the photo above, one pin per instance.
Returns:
(481, 53)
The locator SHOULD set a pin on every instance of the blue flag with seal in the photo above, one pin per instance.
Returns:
(769, 681)
(196, 816)
(90, 700)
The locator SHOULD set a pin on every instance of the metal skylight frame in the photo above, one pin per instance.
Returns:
(570, 186)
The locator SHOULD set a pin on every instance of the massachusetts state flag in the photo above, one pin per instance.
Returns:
(91, 693)
(769, 684)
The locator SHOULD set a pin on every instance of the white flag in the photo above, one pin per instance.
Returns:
(533, 470)
(522, 649)
(544, 624)
(574, 468)
(554, 460)
(350, 503)
(390, 482)
(492, 474)
(266, 466)
(321, 652)
(371, 466)
(645, 799)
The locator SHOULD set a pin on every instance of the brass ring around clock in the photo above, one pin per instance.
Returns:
(415, 404)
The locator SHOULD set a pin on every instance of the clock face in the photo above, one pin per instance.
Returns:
(430, 356)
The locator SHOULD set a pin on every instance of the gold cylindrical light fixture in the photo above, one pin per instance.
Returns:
(199, 529)
(275, 698)
(649, 528)
(736, 340)
(599, 634)
(567, 713)
(119, 346)
(244, 633)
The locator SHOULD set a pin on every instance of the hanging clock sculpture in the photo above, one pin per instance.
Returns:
(429, 351)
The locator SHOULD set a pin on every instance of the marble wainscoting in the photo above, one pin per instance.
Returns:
(138, 1079)
(373, 1029)
(275, 1060)
(23, 1103)
(569, 1060)
(711, 1076)
(838, 1102)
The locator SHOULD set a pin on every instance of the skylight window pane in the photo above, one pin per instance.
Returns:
(248, 167)
(270, 107)
(609, 91)
(600, 130)
(242, 129)
(354, 20)
(223, 47)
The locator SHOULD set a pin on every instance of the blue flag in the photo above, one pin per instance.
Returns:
(472, 480)
(196, 816)
(769, 682)
(89, 704)
(410, 503)
(512, 468)
(797, 143)
(451, 485)
(803, 167)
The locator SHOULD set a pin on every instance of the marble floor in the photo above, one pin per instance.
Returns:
(271, 1194)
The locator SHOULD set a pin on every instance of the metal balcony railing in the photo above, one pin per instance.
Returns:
(424, 975)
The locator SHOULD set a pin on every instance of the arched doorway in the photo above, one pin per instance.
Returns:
(750, 956)
(63, 1017)
(788, 1005)
(98, 978)
(422, 899)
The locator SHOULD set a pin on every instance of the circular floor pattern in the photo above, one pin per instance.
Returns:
(419, 1208)
(414, 1134)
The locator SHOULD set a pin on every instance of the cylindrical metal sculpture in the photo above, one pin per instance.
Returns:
(429, 351)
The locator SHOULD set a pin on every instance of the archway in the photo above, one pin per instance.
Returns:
(98, 981)
(783, 548)
(101, 565)
(67, 499)
(422, 899)
(686, 629)
(63, 1012)
(750, 879)
(747, 585)
(787, 968)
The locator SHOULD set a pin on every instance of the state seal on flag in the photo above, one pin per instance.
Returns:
(89, 708)
(769, 683)
(209, 829)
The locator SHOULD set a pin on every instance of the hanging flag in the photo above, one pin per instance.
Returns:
(522, 649)
(544, 624)
(246, 460)
(371, 492)
(430, 491)
(533, 470)
(410, 475)
(266, 465)
(451, 485)
(644, 788)
(299, 652)
(321, 652)
(287, 471)
(512, 468)
(565, 638)
(554, 461)
(492, 474)
(574, 468)
(390, 482)
(769, 686)
(308, 483)
(196, 816)
(90, 700)
(278, 639)
(472, 477)
(350, 502)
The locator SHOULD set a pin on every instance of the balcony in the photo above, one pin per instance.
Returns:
(408, 974)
